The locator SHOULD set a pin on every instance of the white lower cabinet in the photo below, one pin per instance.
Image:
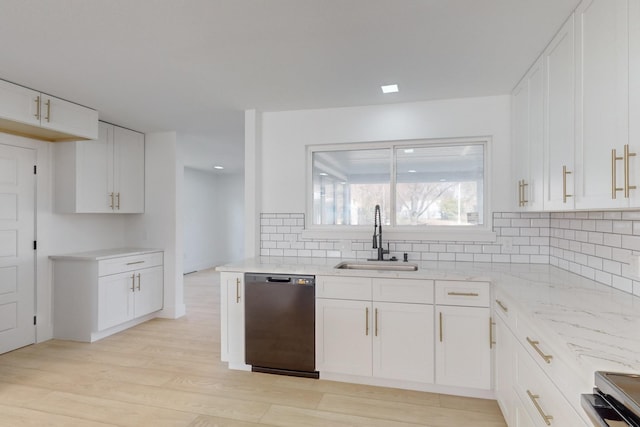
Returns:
(343, 336)
(534, 387)
(363, 328)
(463, 340)
(505, 369)
(125, 296)
(232, 320)
(96, 296)
(403, 341)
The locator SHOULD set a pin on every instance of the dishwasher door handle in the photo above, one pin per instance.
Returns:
(279, 279)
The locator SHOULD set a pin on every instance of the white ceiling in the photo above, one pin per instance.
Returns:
(193, 66)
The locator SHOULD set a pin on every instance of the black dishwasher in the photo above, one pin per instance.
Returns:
(280, 324)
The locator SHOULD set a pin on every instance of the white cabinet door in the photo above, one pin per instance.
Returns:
(521, 418)
(403, 341)
(463, 352)
(128, 163)
(115, 299)
(519, 137)
(149, 291)
(103, 175)
(94, 179)
(343, 336)
(19, 104)
(602, 102)
(559, 84)
(634, 100)
(527, 137)
(232, 312)
(64, 116)
(505, 370)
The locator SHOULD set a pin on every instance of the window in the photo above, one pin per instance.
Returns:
(417, 184)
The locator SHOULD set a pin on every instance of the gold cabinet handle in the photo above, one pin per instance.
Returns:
(138, 281)
(237, 291)
(376, 322)
(440, 326)
(37, 114)
(118, 200)
(112, 201)
(491, 324)
(133, 283)
(135, 262)
(366, 321)
(565, 172)
(534, 398)
(48, 118)
(502, 306)
(463, 294)
(627, 187)
(547, 357)
(614, 159)
(524, 193)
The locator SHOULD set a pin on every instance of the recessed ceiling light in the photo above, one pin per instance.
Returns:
(323, 174)
(408, 150)
(389, 88)
(219, 167)
(411, 171)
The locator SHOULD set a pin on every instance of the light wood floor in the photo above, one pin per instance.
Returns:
(168, 373)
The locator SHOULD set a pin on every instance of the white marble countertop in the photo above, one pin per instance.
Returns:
(595, 326)
(102, 254)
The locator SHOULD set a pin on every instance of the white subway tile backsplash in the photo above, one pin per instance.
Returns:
(631, 215)
(622, 227)
(631, 242)
(593, 244)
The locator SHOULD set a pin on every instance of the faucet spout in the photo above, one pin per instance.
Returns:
(377, 234)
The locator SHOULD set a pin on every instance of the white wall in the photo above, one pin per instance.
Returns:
(200, 220)
(285, 134)
(213, 219)
(230, 189)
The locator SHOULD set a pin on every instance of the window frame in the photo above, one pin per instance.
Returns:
(477, 233)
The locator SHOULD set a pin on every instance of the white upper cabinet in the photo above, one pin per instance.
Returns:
(559, 84)
(101, 176)
(66, 117)
(527, 132)
(28, 112)
(634, 100)
(19, 104)
(602, 105)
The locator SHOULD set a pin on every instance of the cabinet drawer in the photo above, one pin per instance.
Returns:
(355, 288)
(470, 294)
(540, 397)
(129, 263)
(403, 290)
(550, 362)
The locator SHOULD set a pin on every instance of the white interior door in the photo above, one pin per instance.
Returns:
(17, 257)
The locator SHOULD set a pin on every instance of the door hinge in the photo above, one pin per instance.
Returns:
(35, 245)
(35, 169)
(34, 320)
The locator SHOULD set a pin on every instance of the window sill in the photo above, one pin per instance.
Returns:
(462, 234)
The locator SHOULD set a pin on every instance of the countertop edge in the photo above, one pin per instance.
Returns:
(104, 254)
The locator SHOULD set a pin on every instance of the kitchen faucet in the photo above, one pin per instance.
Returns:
(377, 235)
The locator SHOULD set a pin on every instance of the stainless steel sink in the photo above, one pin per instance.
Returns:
(377, 265)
